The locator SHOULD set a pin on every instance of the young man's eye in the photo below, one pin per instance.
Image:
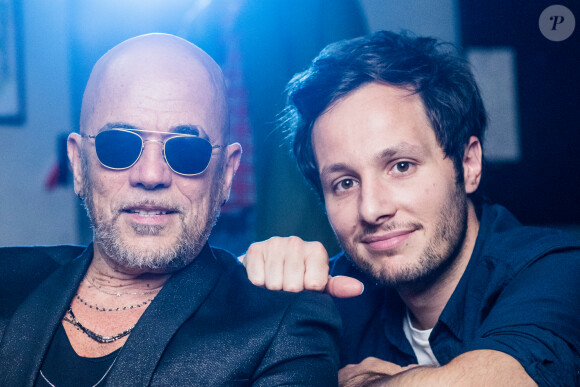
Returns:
(344, 185)
(402, 167)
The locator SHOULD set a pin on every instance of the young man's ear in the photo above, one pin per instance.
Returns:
(233, 157)
(73, 147)
(472, 165)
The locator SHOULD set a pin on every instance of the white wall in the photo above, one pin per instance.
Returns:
(28, 213)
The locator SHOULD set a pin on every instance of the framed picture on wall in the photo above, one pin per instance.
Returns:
(11, 72)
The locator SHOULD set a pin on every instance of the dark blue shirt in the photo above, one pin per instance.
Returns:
(520, 295)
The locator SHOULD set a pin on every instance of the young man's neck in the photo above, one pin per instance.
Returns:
(427, 304)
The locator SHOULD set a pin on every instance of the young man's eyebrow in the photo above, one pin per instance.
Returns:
(338, 167)
(403, 148)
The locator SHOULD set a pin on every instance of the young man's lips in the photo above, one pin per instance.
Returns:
(387, 241)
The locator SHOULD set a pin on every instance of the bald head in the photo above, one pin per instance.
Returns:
(160, 76)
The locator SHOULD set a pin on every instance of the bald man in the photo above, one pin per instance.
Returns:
(149, 302)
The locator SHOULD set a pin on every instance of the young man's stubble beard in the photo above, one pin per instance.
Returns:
(436, 257)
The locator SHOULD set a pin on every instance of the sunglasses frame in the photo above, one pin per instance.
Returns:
(163, 142)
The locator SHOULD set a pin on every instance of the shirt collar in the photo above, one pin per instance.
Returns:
(463, 295)
(392, 314)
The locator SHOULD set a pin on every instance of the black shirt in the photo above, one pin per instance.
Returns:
(520, 295)
(62, 367)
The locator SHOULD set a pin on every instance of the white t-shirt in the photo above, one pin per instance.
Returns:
(419, 340)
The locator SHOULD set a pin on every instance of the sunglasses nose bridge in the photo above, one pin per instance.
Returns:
(161, 143)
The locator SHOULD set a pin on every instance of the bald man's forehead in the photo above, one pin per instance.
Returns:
(158, 103)
(160, 46)
(163, 82)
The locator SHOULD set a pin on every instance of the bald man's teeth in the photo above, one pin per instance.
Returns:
(150, 213)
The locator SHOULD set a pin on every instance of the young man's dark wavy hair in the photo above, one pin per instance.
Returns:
(421, 65)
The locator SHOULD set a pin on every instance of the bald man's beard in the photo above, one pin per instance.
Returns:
(193, 236)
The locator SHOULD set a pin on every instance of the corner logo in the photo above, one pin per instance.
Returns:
(557, 23)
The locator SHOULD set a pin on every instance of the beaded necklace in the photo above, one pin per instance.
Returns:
(115, 309)
(95, 336)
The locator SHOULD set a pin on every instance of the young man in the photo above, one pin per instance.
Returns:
(149, 302)
(389, 129)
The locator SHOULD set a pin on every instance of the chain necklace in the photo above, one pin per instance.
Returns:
(119, 294)
(120, 308)
(94, 385)
(95, 336)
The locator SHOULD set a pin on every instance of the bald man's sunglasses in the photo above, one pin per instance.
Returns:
(185, 154)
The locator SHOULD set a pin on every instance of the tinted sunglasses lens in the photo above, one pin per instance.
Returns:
(118, 149)
(188, 155)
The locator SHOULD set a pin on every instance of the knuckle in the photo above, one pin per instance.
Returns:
(254, 249)
(319, 250)
(256, 280)
(273, 285)
(293, 288)
(314, 284)
(294, 241)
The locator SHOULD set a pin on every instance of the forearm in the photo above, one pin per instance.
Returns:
(476, 368)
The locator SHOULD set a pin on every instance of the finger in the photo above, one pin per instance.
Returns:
(368, 372)
(299, 256)
(273, 260)
(316, 267)
(344, 287)
(347, 373)
(373, 364)
(293, 280)
(253, 260)
(355, 375)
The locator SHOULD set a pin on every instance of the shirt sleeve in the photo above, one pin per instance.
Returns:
(305, 350)
(536, 320)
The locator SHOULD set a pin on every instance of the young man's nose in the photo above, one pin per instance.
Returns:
(375, 203)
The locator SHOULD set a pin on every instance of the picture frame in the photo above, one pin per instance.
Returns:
(12, 103)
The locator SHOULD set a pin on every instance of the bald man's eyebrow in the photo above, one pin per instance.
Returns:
(119, 125)
(193, 130)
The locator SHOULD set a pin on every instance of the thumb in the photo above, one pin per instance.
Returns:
(344, 287)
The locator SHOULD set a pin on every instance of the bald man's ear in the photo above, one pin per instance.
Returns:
(472, 162)
(73, 148)
(233, 157)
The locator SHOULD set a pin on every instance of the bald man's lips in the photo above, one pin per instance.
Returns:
(150, 215)
(388, 241)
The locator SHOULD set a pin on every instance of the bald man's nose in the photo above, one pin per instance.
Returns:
(151, 170)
